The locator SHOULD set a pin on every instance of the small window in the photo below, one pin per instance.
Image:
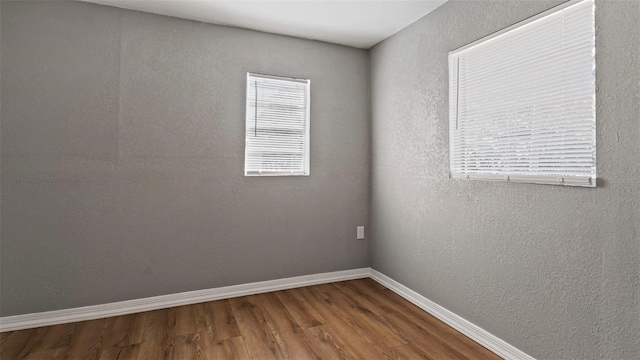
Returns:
(522, 101)
(277, 128)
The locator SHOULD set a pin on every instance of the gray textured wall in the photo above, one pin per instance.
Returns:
(122, 158)
(552, 270)
(0, 148)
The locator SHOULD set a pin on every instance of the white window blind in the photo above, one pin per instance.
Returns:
(522, 101)
(277, 126)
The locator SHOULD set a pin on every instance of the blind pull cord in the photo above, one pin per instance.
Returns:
(458, 93)
(255, 126)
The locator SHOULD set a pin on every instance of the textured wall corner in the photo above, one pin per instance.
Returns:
(123, 151)
(554, 271)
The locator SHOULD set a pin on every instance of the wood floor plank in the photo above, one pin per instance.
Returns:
(423, 338)
(294, 346)
(4, 336)
(344, 327)
(33, 343)
(159, 335)
(356, 319)
(51, 354)
(189, 346)
(257, 337)
(127, 330)
(289, 340)
(88, 343)
(388, 302)
(410, 351)
(293, 342)
(374, 285)
(15, 343)
(231, 349)
(304, 314)
(127, 352)
(190, 319)
(220, 320)
(361, 301)
(58, 336)
(364, 294)
(376, 328)
(275, 313)
(329, 344)
(453, 337)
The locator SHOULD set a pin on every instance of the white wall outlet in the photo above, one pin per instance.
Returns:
(360, 233)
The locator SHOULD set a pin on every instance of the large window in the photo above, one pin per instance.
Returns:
(522, 101)
(277, 126)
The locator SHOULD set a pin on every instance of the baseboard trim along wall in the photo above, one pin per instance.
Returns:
(472, 331)
(479, 335)
(27, 321)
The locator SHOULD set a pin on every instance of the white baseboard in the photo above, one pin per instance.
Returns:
(474, 332)
(26, 321)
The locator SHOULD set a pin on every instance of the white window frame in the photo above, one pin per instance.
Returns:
(460, 170)
(307, 137)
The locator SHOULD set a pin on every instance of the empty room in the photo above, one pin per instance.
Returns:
(419, 179)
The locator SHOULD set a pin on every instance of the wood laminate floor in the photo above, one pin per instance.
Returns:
(358, 319)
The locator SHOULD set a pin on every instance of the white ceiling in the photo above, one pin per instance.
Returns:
(357, 23)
